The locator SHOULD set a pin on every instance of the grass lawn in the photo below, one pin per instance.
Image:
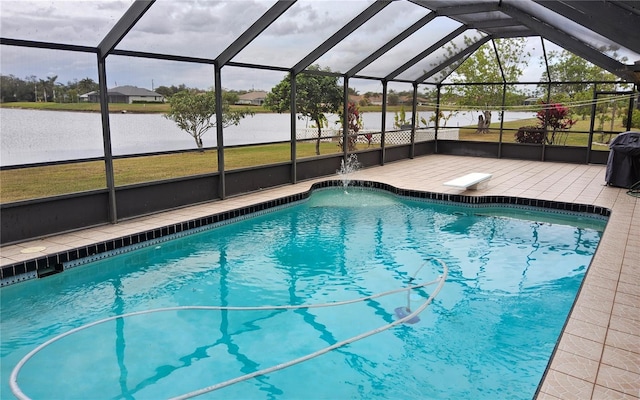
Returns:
(576, 135)
(77, 177)
(90, 107)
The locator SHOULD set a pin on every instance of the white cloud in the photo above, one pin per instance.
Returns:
(204, 28)
(70, 22)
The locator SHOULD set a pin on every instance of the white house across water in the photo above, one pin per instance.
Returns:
(125, 94)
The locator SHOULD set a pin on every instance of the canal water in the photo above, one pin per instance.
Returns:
(32, 136)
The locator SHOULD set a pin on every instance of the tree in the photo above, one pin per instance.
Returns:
(364, 102)
(565, 66)
(47, 86)
(170, 91)
(13, 88)
(393, 99)
(87, 85)
(192, 112)
(483, 66)
(354, 123)
(484, 121)
(316, 95)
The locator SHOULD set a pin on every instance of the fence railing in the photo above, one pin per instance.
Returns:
(371, 136)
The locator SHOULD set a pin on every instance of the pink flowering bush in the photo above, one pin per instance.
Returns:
(554, 116)
(554, 120)
(354, 123)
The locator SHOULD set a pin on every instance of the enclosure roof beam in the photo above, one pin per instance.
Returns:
(254, 30)
(47, 45)
(392, 43)
(475, 46)
(494, 23)
(514, 34)
(594, 14)
(460, 9)
(566, 41)
(123, 26)
(337, 37)
(426, 52)
(629, 5)
(159, 56)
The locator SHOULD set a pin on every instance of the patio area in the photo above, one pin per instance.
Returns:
(598, 356)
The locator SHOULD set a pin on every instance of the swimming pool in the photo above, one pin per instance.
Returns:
(513, 276)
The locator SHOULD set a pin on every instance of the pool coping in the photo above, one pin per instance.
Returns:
(41, 267)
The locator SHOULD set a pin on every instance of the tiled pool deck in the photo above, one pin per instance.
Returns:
(598, 356)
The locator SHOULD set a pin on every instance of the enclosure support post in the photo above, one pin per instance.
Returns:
(414, 110)
(435, 134)
(294, 139)
(544, 139)
(345, 120)
(219, 131)
(384, 119)
(504, 97)
(593, 121)
(546, 63)
(630, 110)
(106, 138)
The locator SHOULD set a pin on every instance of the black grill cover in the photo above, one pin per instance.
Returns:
(623, 165)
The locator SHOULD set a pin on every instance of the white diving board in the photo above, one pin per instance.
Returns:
(474, 181)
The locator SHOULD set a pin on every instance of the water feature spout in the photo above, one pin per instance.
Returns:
(347, 168)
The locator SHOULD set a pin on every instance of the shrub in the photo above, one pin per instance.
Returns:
(635, 119)
(530, 134)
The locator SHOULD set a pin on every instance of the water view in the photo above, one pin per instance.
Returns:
(32, 136)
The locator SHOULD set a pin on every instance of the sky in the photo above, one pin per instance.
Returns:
(204, 28)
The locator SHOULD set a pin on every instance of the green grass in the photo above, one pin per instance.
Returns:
(37, 182)
(575, 137)
(28, 183)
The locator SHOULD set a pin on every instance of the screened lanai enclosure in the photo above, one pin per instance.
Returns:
(523, 79)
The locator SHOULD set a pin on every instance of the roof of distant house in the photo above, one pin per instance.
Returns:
(253, 95)
(128, 90)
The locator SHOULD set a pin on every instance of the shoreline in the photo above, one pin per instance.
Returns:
(161, 108)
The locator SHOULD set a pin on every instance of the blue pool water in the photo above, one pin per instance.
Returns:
(489, 333)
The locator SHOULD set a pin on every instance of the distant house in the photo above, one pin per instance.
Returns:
(531, 101)
(85, 97)
(376, 100)
(125, 94)
(252, 98)
(356, 99)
